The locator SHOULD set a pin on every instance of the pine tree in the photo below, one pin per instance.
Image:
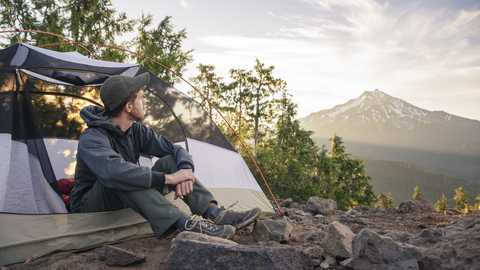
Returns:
(290, 159)
(417, 194)
(94, 21)
(211, 87)
(239, 98)
(263, 86)
(163, 45)
(390, 202)
(441, 205)
(382, 201)
(346, 179)
(461, 199)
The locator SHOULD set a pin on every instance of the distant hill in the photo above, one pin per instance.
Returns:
(400, 178)
(378, 126)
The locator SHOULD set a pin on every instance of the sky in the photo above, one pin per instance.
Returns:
(426, 53)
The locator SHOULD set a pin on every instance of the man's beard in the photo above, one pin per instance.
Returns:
(137, 114)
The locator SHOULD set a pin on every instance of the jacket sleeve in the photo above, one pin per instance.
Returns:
(110, 168)
(159, 146)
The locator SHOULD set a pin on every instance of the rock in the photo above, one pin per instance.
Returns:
(312, 237)
(456, 246)
(399, 236)
(365, 209)
(295, 206)
(429, 237)
(360, 221)
(314, 252)
(330, 219)
(272, 230)
(329, 262)
(373, 251)
(317, 205)
(118, 256)
(391, 210)
(415, 205)
(197, 255)
(314, 263)
(338, 240)
(286, 203)
(268, 244)
(452, 212)
(201, 238)
(351, 211)
(296, 214)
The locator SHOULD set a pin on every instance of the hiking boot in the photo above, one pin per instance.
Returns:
(238, 220)
(204, 226)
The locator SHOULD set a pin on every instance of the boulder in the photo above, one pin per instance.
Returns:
(317, 205)
(351, 211)
(118, 256)
(329, 262)
(391, 210)
(272, 230)
(456, 246)
(197, 255)
(313, 237)
(375, 252)
(314, 252)
(286, 203)
(201, 238)
(415, 205)
(338, 240)
(295, 205)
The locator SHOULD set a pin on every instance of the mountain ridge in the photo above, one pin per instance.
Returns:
(382, 106)
(379, 126)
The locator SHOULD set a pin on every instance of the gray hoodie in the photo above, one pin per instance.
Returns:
(108, 154)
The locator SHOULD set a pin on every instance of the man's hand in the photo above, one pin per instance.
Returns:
(183, 189)
(179, 177)
(183, 180)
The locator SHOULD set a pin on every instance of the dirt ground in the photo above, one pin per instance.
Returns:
(156, 251)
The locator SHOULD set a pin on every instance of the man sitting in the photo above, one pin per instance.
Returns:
(108, 175)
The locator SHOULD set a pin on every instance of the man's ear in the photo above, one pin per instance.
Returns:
(128, 107)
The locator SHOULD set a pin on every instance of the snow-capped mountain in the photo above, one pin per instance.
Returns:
(376, 115)
(379, 126)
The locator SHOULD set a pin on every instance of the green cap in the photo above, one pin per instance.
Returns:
(117, 88)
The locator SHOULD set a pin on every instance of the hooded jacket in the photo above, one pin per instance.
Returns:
(109, 155)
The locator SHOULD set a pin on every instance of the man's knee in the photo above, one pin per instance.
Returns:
(165, 164)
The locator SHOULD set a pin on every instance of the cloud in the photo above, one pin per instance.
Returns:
(335, 51)
(184, 4)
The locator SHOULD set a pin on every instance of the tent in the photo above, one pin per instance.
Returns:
(41, 94)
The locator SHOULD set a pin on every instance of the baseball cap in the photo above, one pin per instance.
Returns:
(117, 88)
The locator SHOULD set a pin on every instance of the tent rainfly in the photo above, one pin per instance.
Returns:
(41, 94)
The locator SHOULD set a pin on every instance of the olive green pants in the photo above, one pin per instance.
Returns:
(149, 203)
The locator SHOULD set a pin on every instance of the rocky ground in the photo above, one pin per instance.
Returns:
(418, 228)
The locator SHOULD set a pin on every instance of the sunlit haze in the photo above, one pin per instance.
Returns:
(328, 51)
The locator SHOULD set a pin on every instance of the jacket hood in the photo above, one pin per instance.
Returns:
(96, 116)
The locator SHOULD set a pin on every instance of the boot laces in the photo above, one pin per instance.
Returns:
(201, 222)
